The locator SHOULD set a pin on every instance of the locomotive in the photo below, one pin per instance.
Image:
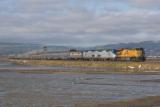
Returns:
(136, 54)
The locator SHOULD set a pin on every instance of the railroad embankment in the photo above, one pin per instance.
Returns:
(117, 66)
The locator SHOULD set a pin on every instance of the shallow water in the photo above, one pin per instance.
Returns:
(42, 90)
(65, 90)
(6, 64)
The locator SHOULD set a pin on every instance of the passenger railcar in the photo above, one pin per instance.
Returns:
(57, 55)
(99, 55)
(74, 54)
(108, 54)
(89, 54)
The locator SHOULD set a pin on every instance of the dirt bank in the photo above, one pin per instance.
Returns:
(143, 102)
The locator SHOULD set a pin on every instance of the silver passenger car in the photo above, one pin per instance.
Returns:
(103, 54)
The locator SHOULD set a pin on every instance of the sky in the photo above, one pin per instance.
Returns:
(79, 22)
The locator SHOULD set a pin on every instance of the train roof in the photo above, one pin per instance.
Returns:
(131, 48)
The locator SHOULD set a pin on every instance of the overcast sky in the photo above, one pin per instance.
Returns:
(79, 22)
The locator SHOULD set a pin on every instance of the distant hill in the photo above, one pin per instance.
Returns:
(15, 48)
(20, 48)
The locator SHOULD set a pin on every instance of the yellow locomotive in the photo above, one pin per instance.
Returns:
(135, 54)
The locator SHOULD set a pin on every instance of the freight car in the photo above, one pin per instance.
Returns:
(136, 54)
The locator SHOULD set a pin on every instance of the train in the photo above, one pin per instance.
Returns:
(123, 54)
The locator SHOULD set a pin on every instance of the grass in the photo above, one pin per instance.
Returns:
(105, 65)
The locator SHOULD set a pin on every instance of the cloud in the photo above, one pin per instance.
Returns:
(79, 22)
(146, 2)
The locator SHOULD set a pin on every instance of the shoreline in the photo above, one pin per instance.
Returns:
(45, 70)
